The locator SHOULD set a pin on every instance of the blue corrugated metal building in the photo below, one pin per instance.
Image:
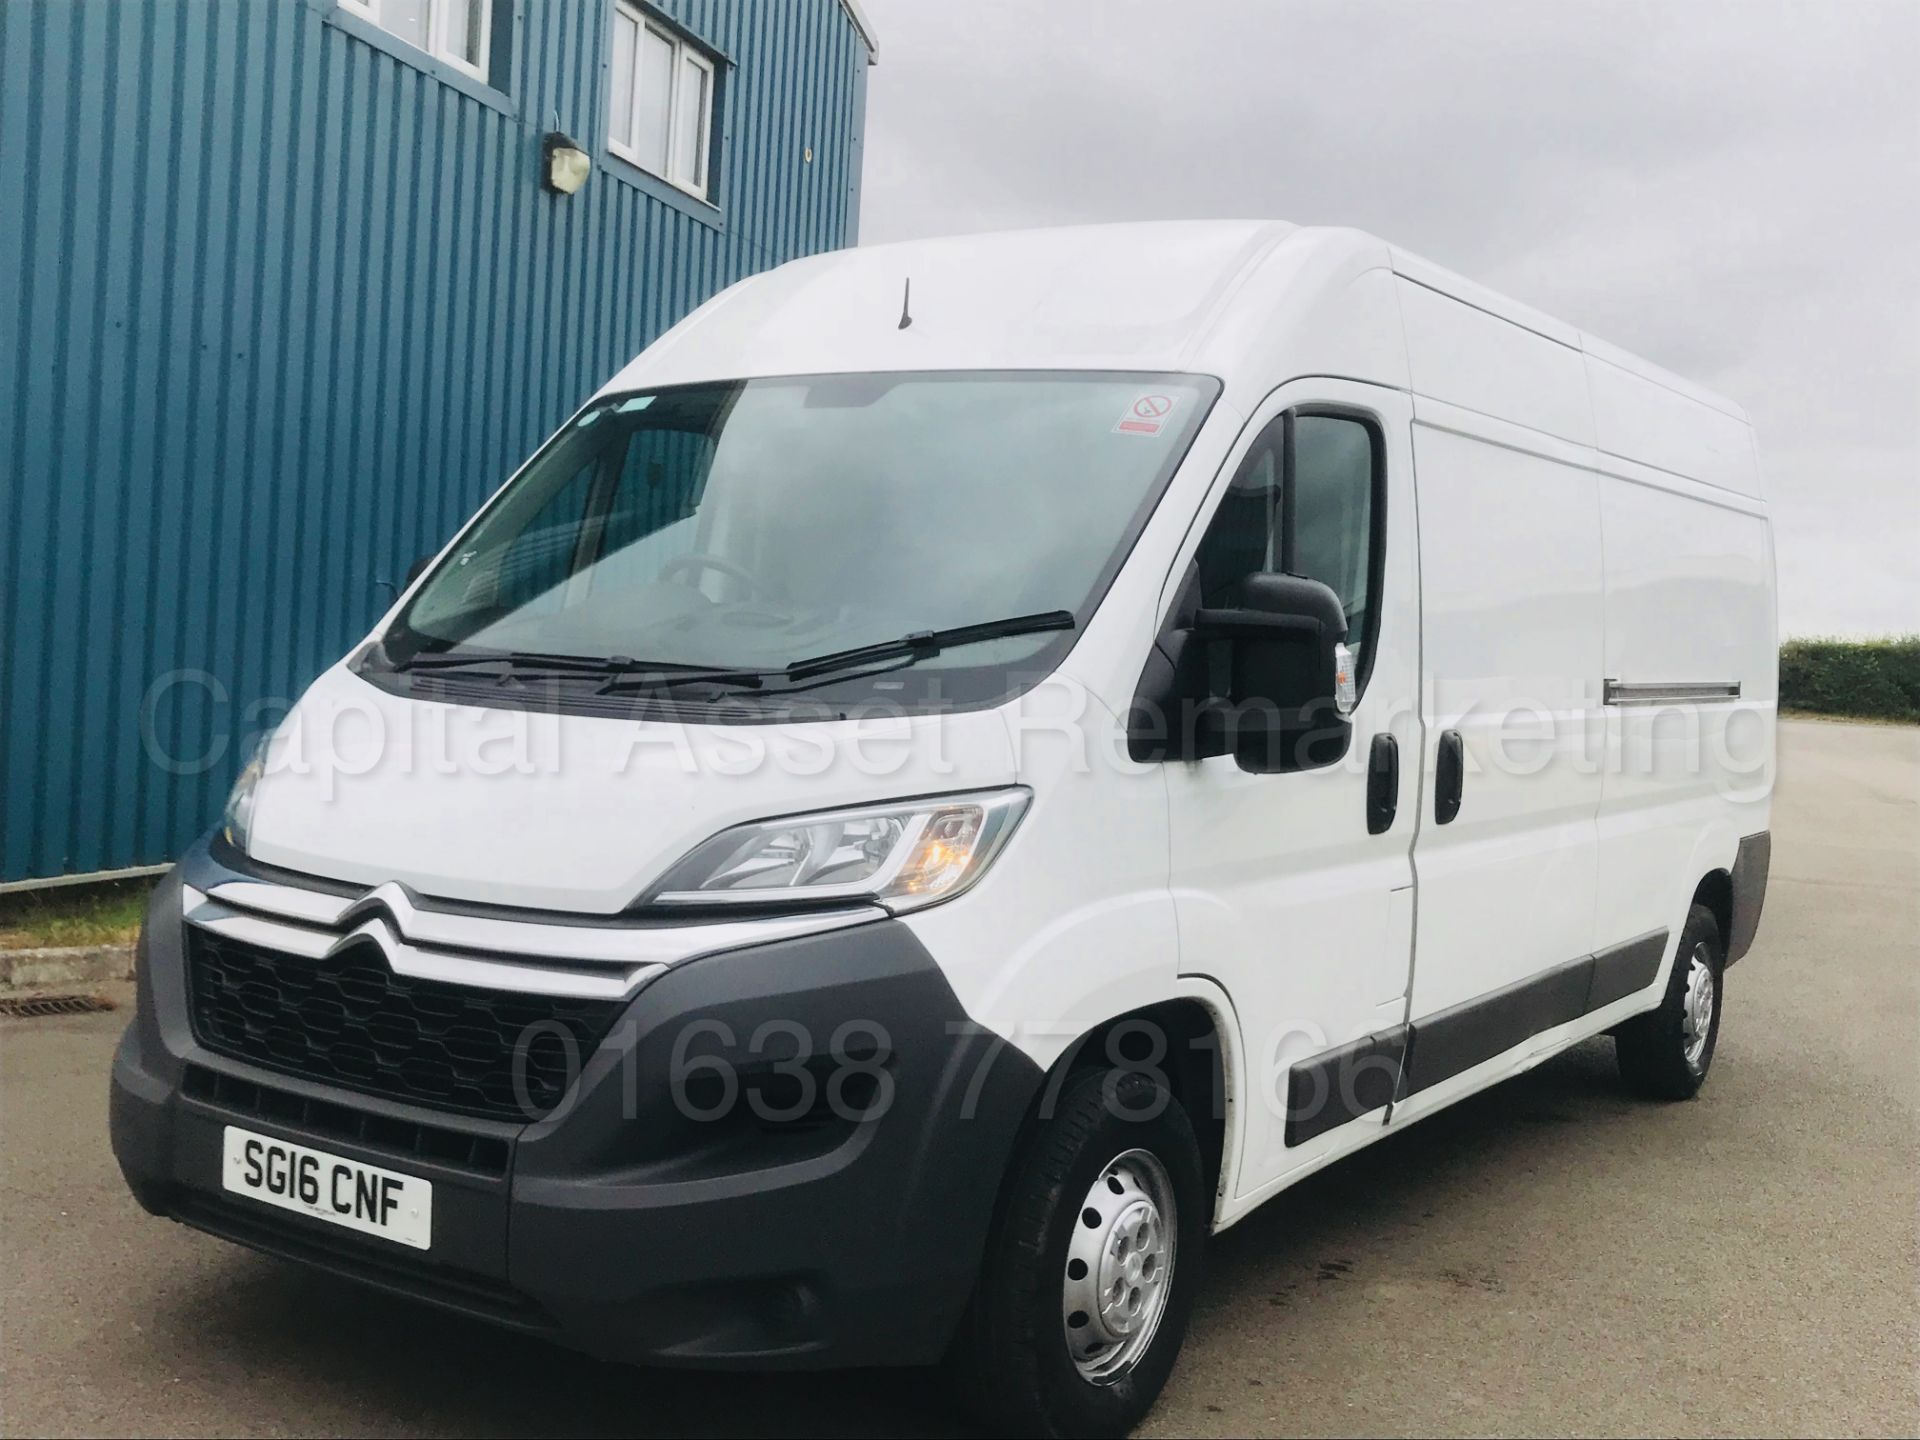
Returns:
(285, 292)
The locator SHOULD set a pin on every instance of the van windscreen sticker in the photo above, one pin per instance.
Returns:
(1148, 415)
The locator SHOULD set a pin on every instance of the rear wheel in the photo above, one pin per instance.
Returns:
(1665, 1054)
(1090, 1273)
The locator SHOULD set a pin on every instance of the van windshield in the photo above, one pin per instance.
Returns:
(753, 525)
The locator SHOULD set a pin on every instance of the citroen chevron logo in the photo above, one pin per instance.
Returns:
(389, 902)
(375, 916)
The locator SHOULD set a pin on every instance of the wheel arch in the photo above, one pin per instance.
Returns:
(1192, 1039)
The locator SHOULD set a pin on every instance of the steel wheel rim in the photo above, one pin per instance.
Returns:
(1119, 1269)
(1696, 1014)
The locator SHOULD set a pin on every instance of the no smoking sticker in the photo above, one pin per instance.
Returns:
(1147, 415)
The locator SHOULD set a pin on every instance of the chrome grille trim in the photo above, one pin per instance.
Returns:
(580, 961)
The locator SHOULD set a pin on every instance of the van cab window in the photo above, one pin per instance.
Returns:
(1303, 502)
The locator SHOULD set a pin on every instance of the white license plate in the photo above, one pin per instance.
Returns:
(328, 1187)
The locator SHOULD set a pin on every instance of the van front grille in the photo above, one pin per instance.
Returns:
(348, 1020)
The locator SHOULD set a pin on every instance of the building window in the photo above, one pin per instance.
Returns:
(456, 31)
(662, 109)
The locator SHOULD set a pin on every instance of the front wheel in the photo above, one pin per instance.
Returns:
(1093, 1264)
(1665, 1053)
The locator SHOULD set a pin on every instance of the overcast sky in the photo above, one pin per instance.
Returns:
(1731, 188)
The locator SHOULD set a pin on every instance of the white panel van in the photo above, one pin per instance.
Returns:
(963, 770)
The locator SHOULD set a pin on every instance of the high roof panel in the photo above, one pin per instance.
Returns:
(1104, 296)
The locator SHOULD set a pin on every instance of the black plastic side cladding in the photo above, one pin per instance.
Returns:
(1344, 1084)
(1337, 1086)
(1461, 1037)
(1751, 863)
(1626, 969)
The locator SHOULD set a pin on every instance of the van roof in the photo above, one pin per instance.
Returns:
(1154, 295)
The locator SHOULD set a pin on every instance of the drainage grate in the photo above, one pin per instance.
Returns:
(32, 1007)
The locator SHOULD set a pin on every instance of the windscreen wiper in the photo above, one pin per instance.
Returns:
(640, 676)
(513, 660)
(924, 643)
(621, 673)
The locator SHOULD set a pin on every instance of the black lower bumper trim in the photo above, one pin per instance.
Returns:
(450, 1289)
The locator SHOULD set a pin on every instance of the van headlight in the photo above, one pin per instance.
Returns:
(236, 821)
(900, 856)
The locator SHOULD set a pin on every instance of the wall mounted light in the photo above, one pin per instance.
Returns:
(568, 166)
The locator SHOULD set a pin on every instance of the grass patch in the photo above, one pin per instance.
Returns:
(104, 914)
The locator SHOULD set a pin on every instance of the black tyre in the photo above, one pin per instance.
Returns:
(1093, 1264)
(1665, 1054)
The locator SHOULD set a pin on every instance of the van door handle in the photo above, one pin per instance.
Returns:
(1449, 776)
(1383, 784)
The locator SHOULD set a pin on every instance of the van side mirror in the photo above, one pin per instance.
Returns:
(1286, 634)
(1259, 678)
(417, 569)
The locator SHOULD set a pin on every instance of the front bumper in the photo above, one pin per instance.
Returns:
(647, 1219)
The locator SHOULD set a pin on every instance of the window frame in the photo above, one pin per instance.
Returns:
(436, 46)
(1281, 534)
(686, 51)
